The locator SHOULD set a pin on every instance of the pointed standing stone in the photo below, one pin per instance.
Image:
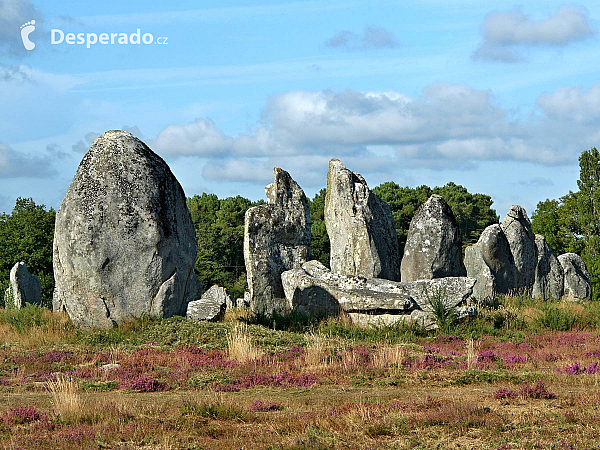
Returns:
(433, 246)
(276, 239)
(517, 228)
(360, 227)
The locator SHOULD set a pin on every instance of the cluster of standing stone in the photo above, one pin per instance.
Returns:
(125, 247)
(364, 279)
(509, 258)
(366, 268)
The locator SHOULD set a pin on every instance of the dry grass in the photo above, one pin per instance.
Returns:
(52, 331)
(318, 351)
(66, 399)
(237, 314)
(240, 346)
(386, 357)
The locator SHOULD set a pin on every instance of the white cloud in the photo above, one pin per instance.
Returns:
(506, 33)
(447, 126)
(372, 38)
(572, 103)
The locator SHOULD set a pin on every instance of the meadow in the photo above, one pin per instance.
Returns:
(522, 375)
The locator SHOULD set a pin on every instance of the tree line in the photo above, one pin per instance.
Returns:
(569, 224)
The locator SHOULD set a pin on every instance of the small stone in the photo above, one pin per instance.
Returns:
(108, 367)
(219, 295)
(24, 287)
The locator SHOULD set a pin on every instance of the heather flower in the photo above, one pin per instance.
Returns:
(21, 415)
(144, 383)
(504, 393)
(260, 406)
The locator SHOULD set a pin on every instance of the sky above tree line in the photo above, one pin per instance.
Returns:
(501, 99)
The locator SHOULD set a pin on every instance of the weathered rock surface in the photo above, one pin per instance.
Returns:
(315, 290)
(433, 246)
(517, 228)
(577, 279)
(124, 242)
(549, 274)
(421, 318)
(219, 295)
(276, 239)
(24, 287)
(490, 262)
(360, 227)
(207, 308)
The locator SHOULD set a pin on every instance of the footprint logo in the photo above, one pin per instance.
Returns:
(26, 30)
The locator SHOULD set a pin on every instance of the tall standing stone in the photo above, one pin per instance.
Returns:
(577, 278)
(517, 228)
(490, 262)
(124, 242)
(276, 239)
(360, 227)
(549, 274)
(24, 287)
(433, 246)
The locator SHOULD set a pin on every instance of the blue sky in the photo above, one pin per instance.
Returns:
(499, 98)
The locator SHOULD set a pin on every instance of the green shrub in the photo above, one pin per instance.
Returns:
(554, 318)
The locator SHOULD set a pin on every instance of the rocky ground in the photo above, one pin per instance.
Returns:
(522, 375)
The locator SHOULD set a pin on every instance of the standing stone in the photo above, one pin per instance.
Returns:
(577, 279)
(490, 262)
(24, 287)
(433, 246)
(276, 239)
(517, 228)
(360, 227)
(124, 242)
(549, 274)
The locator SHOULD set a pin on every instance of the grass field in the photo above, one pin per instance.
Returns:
(523, 375)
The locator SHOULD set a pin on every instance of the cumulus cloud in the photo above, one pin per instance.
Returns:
(14, 164)
(13, 14)
(572, 103)
(372, 38)
(506, 33)
(446, 126)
